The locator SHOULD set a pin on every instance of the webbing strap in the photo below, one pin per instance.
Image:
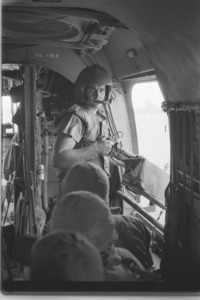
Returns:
(191, 122)
(184, 132)
(192, 230)
(99, 137)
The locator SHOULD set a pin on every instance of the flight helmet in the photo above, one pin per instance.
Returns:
(94, 74)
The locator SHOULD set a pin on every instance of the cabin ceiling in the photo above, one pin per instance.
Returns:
(135, 36)
(65, 27)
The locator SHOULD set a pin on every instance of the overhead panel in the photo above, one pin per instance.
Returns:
(70, 28)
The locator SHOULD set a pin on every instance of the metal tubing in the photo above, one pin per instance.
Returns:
(140, 210)
(148, 196)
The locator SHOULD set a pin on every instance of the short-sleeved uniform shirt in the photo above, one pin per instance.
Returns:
(85, 127)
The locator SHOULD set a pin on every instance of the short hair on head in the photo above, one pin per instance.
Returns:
(88, 176)
(64, 255)
(85, 212)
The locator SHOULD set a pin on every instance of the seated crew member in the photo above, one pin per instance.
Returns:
(133, 235)
(59, 256)
(87, 176)
(87, 213)
(82, 133)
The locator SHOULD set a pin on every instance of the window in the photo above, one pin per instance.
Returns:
(152, 132)
(151, 123)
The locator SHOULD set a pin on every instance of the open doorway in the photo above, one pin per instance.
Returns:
(152, 132)
(152, 123)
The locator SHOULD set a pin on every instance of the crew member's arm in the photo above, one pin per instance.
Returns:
(65, 155)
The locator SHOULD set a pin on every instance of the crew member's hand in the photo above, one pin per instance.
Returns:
(104, 147)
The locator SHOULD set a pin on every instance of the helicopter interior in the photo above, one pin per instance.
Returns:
(45, 45)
